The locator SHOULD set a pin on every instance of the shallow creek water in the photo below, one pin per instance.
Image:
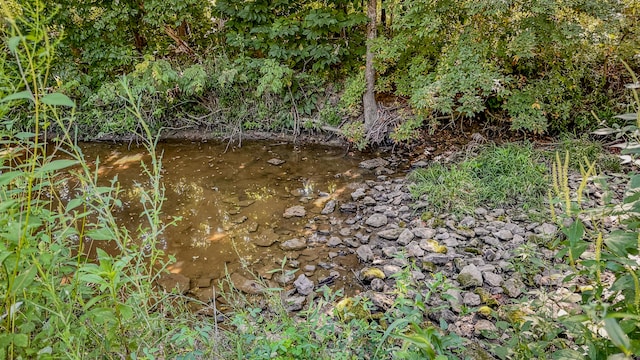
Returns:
(230, 200)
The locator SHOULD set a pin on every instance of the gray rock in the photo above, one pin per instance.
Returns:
(275, 162)
(467, 222)
(285, 277)
(437, 259)
(348, 207)
(334, 241)
(178, 282)
(329, 207)
(351, 242)
(369, 201)
(513, 287)
(309, 268)
(468, 233)
(492, 279)
(417, 275)
(245, 285)
(373, 163)
(303, 285)
(294, 303)
(377, 284)
(546, 229)
(297, 210)
(484, 326)
(377, 220)
(480, 231)
(414, 250)
(424, 233)
(390, 269)
(454, 297)
(405, 237)
(480, 211)
(364, 253)
(293, 245)
(503, 234)
(358, 194)
(391, 234)
(266, 238)
(470, 276)
(471, 299)
(389, 251)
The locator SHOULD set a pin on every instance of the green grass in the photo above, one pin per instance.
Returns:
(498, 176)
(583, 149)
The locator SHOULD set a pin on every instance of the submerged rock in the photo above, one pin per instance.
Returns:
(297, 210)
(293, 245)
(179, 282)
(245, 285)
(373, 163)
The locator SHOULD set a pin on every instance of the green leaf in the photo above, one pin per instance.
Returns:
(24, 95)
(101, 234)
(23, 279)
(622, 243)
(617, 336)
(74, 203)
(13, 43)
(57, 99)
(568, 354)
(57, 165)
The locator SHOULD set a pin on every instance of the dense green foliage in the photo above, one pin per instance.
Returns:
(227, 66)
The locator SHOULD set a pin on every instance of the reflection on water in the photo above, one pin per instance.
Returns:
(228, 200)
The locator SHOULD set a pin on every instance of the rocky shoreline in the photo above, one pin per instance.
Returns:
(485, 256)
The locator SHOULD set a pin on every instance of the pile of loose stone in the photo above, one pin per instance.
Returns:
(476, 253)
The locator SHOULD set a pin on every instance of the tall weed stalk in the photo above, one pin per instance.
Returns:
(57, 302)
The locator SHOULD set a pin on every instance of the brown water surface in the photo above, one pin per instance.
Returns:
(228, 200)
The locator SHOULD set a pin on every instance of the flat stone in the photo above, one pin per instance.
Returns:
(405, 237)
(414, 250)
(470, 276)
(513, 287)
(294, 303)
(484, 326)
(546, 229)
(390, 269)
(377, 220)
(389, 251)
(293, 245)
(297, 210)
(303, 285)
(471, 299)
(424, 233)
(369, 201)
(266, 238)
(246, 285)
(492, 279)
(364, 253)
(309, 268)
(391, 234)
(348, 207)
(358, 194)
(178, 282)
(373, 163)
(334, 241)
(503, 234)
(467, 222)
(329, 207)
(276, 162)
(437, 259)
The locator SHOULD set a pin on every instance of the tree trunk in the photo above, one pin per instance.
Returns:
(369, 98)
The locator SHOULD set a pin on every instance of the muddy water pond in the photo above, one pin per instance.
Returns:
(233, 200)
